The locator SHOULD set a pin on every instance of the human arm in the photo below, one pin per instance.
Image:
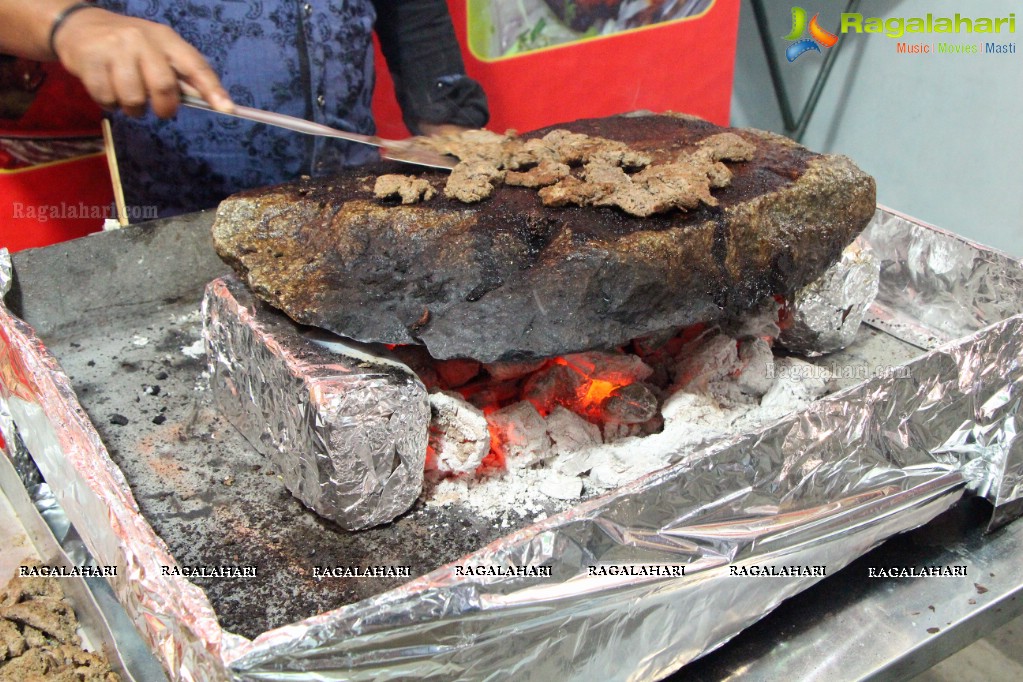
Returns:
(123, 62)
(422, 54)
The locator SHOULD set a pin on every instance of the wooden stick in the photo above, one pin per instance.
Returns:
(115, 174)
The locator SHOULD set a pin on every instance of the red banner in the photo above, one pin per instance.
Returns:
(546, 61)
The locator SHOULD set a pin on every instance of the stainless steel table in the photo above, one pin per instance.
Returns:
(854, 627)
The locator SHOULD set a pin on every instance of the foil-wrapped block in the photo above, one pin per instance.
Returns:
(344, 427)
(825, 314)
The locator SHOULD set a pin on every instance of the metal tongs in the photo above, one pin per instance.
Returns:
(396, 150)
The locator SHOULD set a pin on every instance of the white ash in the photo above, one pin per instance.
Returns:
(693, 419)
(458, 434)
(495, 494)
(196, 350)
(560, 486)
(761, 322)
(202, 382)
(705, 361)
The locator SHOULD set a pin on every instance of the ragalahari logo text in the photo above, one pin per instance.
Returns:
(818, 36)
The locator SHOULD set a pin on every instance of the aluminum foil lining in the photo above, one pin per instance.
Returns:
(6, 271)
(173, 616)
(936, 286)
(826, 314)
(346, 430)
(816, 488)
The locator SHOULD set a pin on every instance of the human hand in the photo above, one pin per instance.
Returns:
(125, 62)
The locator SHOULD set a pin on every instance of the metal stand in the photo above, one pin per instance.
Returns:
(794, 127)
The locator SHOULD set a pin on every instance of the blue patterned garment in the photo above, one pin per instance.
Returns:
(307, 58)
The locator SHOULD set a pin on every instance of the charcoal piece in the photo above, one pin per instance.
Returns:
(706, 361)
(555, 385)
(632, 404)
(615, 367)
(510, 279)
(504, 371)
(344, 426)
(570, 432)
(458, 434)
(455, 373)
(488, 394)
(519, 435)
(757, 374)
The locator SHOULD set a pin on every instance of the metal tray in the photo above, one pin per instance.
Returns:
(119, 312)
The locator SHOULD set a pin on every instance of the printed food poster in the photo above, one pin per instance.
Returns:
(547, 61)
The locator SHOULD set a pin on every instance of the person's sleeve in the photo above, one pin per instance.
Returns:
(418, 42)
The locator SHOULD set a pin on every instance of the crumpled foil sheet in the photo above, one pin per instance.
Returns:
(346, 431)
(819, 487)
(173, 616)
(826, 314)
(937, 286)
(6, 271)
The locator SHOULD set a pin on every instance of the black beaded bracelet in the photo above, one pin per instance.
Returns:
(62, 17)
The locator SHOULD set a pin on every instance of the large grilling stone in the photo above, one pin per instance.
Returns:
(508, 278)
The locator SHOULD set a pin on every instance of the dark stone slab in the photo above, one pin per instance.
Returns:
(508, 278)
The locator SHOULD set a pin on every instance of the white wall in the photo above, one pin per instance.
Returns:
(942, 134)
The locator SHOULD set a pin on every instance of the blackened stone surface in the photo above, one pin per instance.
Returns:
(508, 278)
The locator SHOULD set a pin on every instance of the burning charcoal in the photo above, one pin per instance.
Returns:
(618, 368)
(519, 434)
(654, 343)
(757, 374)
(345, 428)
(825, 315)
(455, 373)
(569, 432)
(503, 371)
(712, 360)
(458, 434)
(632, 404)
(561, 487)
(489, 394)
(556, 385)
